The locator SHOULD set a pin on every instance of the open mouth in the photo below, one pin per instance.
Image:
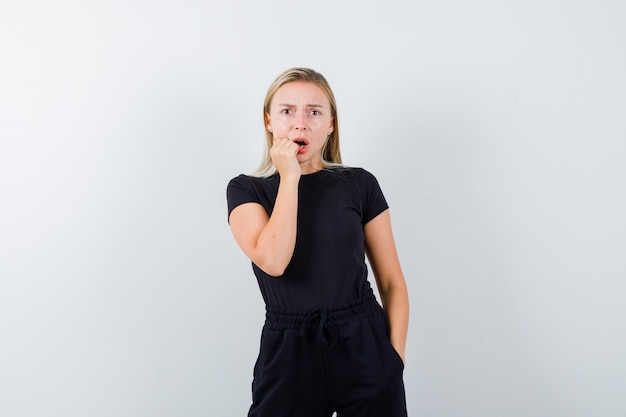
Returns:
(300, 142)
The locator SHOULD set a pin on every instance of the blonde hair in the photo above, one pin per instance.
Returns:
(331, 154)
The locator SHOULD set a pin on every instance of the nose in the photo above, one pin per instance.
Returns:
(300, 121)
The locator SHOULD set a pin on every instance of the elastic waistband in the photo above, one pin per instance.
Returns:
(278, 318)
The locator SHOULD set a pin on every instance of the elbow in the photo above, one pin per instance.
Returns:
(274, 269)
(393, 287)
(274, 272)
(272, 262)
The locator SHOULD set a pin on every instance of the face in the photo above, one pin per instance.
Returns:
(300, 111)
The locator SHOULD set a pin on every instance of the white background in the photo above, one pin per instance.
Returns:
(496, 129)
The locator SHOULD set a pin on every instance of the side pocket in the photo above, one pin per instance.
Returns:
(259, 360)
(387, 336)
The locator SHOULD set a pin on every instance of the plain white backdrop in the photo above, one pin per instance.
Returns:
(496, 129)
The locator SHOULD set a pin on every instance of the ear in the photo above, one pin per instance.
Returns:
(268, 123)
(331, 128)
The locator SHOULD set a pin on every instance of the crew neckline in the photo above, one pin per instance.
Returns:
(313, 173)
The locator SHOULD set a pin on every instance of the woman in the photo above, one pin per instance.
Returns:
(307, 222)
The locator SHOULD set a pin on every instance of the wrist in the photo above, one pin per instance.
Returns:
(291, 178)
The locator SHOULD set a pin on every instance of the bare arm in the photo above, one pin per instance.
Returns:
(269, 241)
(383, 257)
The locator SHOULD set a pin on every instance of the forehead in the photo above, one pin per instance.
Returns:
(300, 92)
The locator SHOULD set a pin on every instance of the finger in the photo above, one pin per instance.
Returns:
(284, 142)
(285, 145)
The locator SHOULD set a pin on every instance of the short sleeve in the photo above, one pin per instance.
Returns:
(240, 191)
(374, 201)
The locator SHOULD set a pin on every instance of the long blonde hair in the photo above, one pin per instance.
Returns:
(331, 154)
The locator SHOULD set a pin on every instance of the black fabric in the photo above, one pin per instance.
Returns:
(312, 364)
(328, 264)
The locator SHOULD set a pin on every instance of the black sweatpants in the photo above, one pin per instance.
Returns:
(312, 364)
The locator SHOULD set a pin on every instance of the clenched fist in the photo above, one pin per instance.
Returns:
(283, 154)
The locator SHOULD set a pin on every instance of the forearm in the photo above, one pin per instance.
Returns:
(277, 241)
(396, 305)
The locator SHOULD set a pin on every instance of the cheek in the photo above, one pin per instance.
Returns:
(278, 125)
(318, 124)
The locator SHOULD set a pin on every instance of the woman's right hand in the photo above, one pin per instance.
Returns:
(284, 156)
(269, 241)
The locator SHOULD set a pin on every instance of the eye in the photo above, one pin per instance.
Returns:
(286, 111)
(315, 112)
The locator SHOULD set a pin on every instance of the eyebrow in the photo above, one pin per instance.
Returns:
(293, 105)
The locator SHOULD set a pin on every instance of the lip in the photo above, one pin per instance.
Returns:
(303, 140)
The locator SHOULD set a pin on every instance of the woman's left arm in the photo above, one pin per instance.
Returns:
(383, 257)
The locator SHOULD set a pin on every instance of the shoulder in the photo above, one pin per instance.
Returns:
(358, 174)
(348, 171)
(249, 189)
(247, 181)
(245, 188)
(363, 173)
(356, 178)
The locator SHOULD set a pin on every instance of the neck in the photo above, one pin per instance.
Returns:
(310, 167)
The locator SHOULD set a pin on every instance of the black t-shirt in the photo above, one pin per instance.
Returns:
(328, 265)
